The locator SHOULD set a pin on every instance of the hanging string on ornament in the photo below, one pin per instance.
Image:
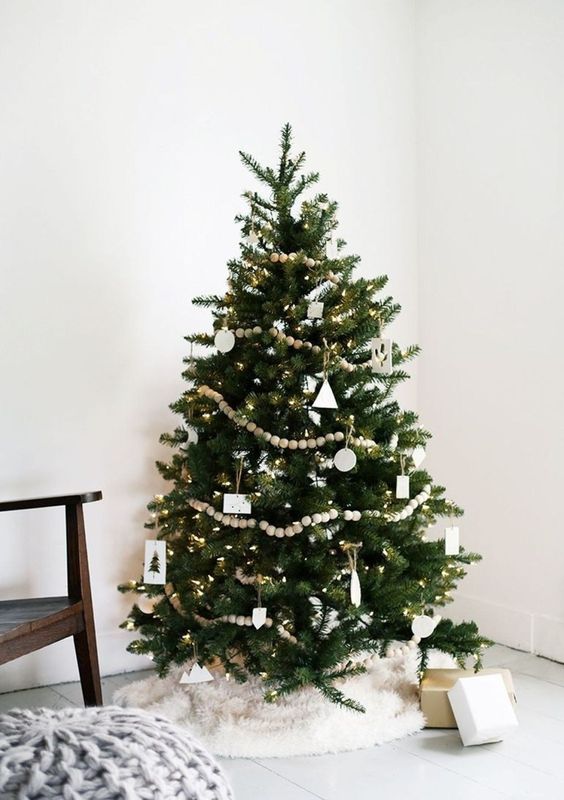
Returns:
(224, 340)
(402, 482)
(345, 458)
(237, 503)
(352, 553)
(325, 397)
(259, 613)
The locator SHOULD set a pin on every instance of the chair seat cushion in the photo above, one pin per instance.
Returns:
(103, 753)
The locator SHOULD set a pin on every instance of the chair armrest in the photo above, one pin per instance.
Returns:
(45, 502)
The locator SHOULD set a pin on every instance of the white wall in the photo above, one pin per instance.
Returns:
(491, 203)
(119, 178)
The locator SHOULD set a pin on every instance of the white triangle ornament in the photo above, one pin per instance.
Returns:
(355, 588)
(197, 674)
(325, 397)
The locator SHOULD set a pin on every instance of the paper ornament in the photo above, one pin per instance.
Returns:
(382, 356)
(418, 455)
(423, 626)
(345, 459)
(197, 674)
(402, 487)
(155, 562)
(191, 436)
(315, 310)
(259, 617)
(236, 504)
(452, 541)
(224, 341)
(325, 397)
(251, 237)
(355, 588)
(331, 249)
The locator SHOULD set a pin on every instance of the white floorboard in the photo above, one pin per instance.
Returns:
(431, 765)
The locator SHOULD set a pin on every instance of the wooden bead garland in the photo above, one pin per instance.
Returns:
(348, 515)
(274, 439)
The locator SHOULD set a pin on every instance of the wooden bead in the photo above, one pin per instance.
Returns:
(298, 344)
(339, 436)
(283, 258)
(330, 437)
(263, 524)
(284, 443)
(240, 620)
(333, 513)
(309, 262)
(275, 440)
(243, 523)
(311, 443)
(258, 431)
(325, 516)
(347, 515)
(316, 349)
(302, 444)
(320, 441)
(356, 515)
(289, 531)
(251, 426)
(306, 521)
(279, 532)
(218, 516)
(251, 523)
(297, 527)
(248, 332)
(270, 530)
(273, 331)
(291, 256)
(292, 444)
(248, 622)
(316, 519)
(290, 340)
(274, 257)
(239, 333)
(257, 330)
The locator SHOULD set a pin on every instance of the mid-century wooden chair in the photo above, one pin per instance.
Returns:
(27, 625)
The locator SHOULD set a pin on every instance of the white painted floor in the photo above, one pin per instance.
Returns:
(431, 765)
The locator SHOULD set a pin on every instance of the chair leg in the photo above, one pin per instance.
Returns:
(87, 658)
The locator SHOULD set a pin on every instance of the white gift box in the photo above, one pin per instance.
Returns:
(482, 709)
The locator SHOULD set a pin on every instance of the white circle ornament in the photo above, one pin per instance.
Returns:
(345, 459)
(224, 341)
(423, 626)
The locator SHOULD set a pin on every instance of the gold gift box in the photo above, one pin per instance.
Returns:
(436, 683)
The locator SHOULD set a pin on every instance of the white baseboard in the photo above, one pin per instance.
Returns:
(57, 663)
(533, 633)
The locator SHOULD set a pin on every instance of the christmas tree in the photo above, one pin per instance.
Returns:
(296, 519)
(155, 565)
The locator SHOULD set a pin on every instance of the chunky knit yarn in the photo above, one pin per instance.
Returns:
(103, 754)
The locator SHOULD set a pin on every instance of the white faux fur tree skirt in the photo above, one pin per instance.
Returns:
(233, 720)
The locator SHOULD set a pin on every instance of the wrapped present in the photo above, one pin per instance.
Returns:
(482, 709)
(435, 685)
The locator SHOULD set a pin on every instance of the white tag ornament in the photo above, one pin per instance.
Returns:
(345, 459)
(452, 541)
(382, 356)
(197, 674)
(423, 626)
(155, 561)
(402, 487)
(236, 504)
(224, 341)
(315, 310)
(325, 397)
(259, 617)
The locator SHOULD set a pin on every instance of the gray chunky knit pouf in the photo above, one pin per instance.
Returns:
(103, 754)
